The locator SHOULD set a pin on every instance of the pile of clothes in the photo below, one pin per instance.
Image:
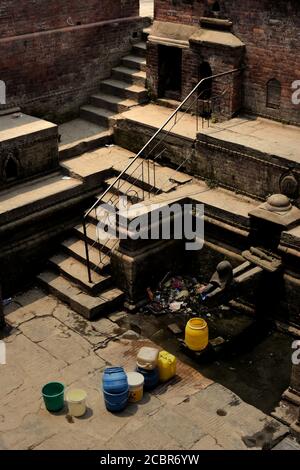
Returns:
(174, 294)
(185, 294)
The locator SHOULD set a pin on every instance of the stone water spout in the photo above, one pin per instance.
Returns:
(263, 267)
(225, 282)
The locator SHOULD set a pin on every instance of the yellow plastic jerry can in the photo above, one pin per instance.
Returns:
(166, 366)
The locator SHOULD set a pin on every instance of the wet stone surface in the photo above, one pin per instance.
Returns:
(50, 342)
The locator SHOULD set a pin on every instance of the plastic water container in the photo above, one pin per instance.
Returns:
(151, 378)
(76, 400)
(196, 334)
(53, 395)
(116, 401)
(114, 380)
(147, 358)
(166, 366)
(136, 386)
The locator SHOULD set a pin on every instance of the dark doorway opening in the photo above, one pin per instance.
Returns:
(10, 170)
(205, 89)
(170, 68)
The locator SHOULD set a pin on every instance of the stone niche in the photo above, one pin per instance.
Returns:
(28, 148)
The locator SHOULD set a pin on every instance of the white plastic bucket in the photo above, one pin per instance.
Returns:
(136, 386)
(76, 400)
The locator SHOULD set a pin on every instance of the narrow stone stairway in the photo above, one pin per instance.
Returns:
(124, 89)
(66, 275)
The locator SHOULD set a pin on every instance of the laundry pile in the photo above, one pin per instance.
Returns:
(174, 294)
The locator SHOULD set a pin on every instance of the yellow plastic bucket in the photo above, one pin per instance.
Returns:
(166, 366)
(76, 400)
(196, 334)
(136, 386)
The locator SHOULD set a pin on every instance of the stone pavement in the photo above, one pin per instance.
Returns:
(259, 134)
(147, 7)
(48, 341)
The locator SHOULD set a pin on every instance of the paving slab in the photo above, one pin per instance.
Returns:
(70, 441)
(78, 131)
(41, 328)
(155, 116)
(16, 315)
(190, 412)
(12, 128)
(207, 443)
(233, 423)
(66, 346)
(184, 431)
(33, 301)
(41, 189)
(95, 332)
(261, 134)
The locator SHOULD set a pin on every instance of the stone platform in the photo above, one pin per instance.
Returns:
(51, 342)
(229, 154)
(262, 135)
(30, 143)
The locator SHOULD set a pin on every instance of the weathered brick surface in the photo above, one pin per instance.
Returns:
(34, 153)
(51, 70)
(28, 16)
(236, 167)
(270, 31)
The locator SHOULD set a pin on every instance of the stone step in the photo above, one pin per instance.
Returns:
(86, 305)
(76, 272)
(97, 115)
(123, 187)
(34, 196)
(126, 74)
(112, 102)
(140, 49)
(134, 62)
(82, 146)
(125, 90)
(112, 198)
(79, 136)
(76, 248)
(105, 244)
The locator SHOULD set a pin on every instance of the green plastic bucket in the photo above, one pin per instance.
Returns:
(53, 394)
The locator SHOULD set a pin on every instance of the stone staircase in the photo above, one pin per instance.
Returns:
(66, 275)
(124, 89)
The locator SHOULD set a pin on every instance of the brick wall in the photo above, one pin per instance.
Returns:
(237, 168)
(51, 71)
(28, 16)
(226, 91)
(270, 31)
(181, 11)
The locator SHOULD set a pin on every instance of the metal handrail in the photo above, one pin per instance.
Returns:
(123, 172)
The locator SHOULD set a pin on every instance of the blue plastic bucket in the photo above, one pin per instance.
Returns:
(116, 401)
(114, 380)
(151, 377)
